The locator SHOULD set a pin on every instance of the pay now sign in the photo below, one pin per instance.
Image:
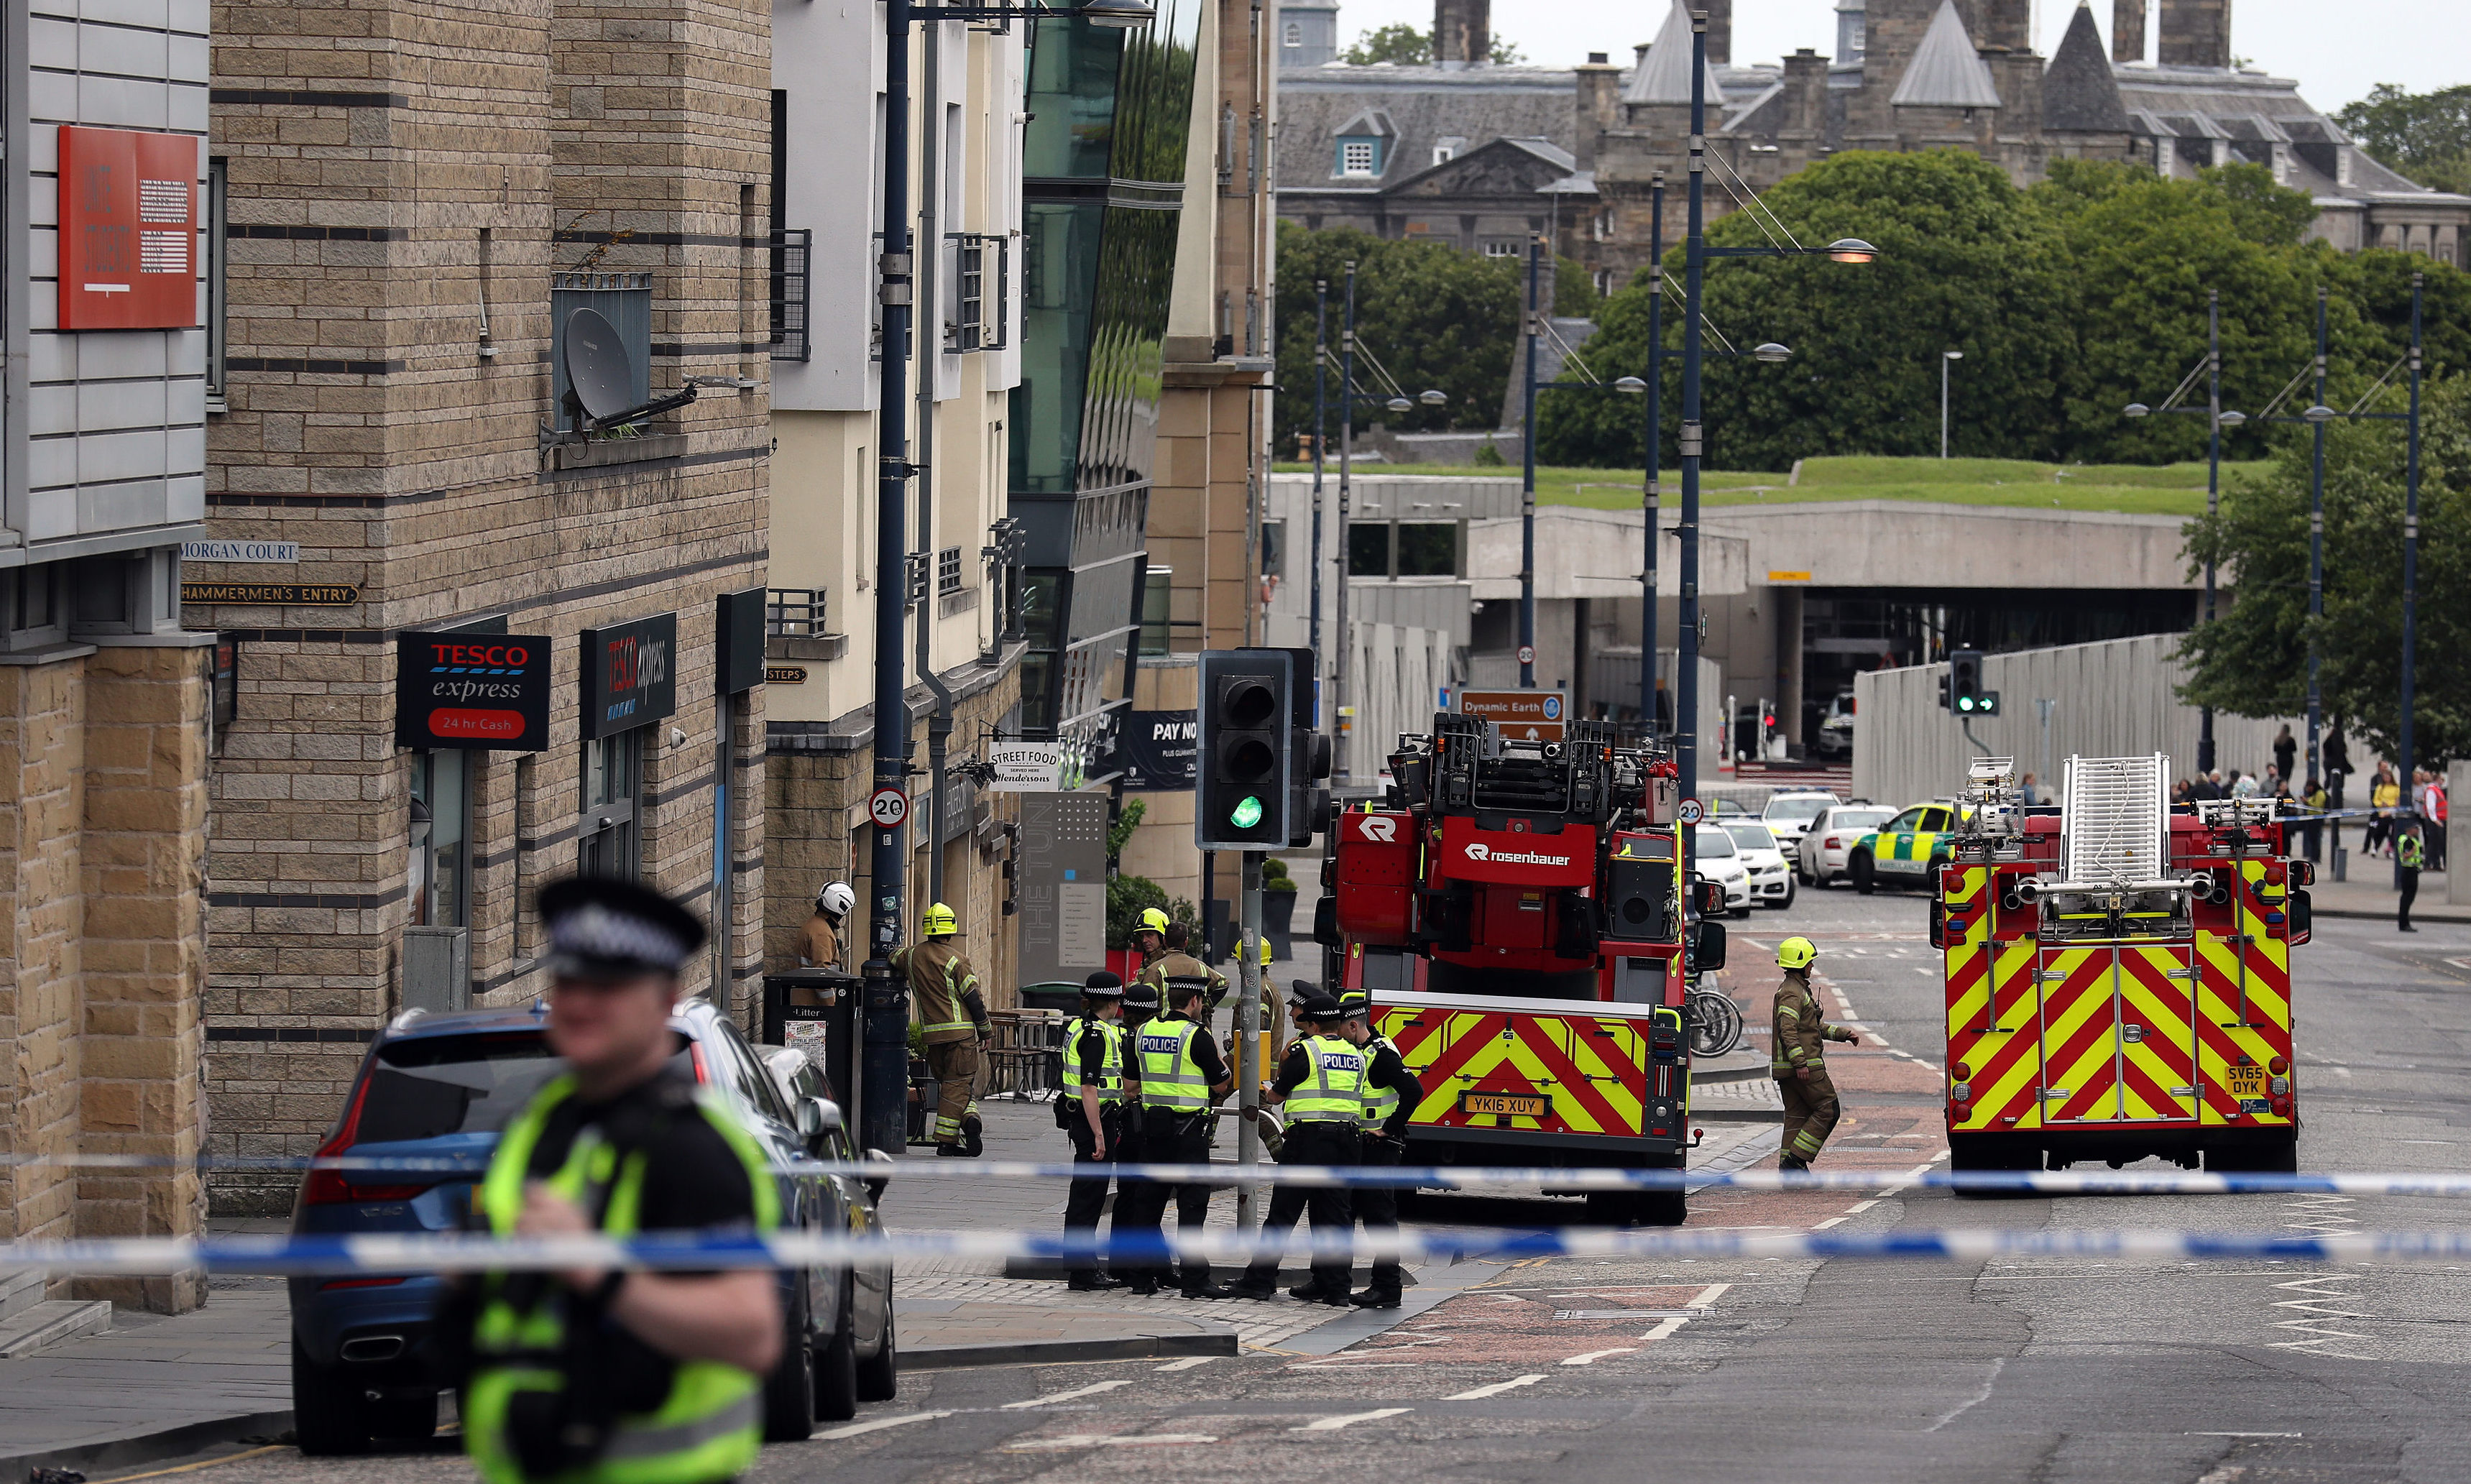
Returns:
(472, 691)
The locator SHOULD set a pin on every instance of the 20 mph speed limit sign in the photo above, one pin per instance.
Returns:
(887, 807)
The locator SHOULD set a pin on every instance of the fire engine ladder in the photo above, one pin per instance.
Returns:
(2116, 832)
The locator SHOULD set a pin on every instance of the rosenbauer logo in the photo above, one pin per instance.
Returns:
(1491, 855)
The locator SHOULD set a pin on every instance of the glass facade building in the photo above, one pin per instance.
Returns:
(1103, 180)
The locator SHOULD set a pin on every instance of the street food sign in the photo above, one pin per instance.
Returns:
(472, 691)
(1523, 716)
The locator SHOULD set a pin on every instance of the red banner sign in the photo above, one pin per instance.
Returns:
(1517, 857)
(128, 229)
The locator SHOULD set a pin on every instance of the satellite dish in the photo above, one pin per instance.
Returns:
(597, 367)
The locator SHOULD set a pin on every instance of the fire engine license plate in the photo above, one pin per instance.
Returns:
(1511, 1105)
(2247, 1082)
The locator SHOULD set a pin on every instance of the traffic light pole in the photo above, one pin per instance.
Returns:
(1527, 487)
(2317, 542)
(1249, 975)
(1685, 664)
(1655, 440)
(1321, 435)
(1339, 709)
(2213, 496)
(2409, 548)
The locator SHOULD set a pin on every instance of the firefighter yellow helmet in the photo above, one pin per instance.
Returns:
(939, 921)
(1152, 921)
(1796, 953)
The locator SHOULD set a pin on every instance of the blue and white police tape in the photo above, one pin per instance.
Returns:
(1445, 1179)
(406, 1255)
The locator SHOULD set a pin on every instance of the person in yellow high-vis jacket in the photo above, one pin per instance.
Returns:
(591, 1375)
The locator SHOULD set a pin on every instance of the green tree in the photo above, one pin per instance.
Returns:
(1504, 54)
(1397, 42)
(1963, 264)
(1436, 316)
(2252, 660)
(2427, 136)
(1574, 289)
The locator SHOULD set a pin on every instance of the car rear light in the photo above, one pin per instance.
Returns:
(335, 1187)
(1833, 843)
(2278, 1065)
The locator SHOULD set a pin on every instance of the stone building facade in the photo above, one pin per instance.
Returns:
(1381, 148)
(103, 697)
(415, 202)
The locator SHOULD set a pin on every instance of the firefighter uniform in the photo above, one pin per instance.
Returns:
(1799, 1066)
(953, 1016)
(1094, 1064)
(1322, 1080)
(1391, 1097)
(1175, 968)
(1180, 1073)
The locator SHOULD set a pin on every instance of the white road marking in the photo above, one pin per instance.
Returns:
(1074, 1395)
(1708, 1295)
(1594, 1355)
(1333, 1424)
(2246, 1435)
(2312, 1304)
(1106, 1440)
(1664, 1329)
(2226, 1474)
(1821, 1226)
(1859, 1206)
(1496, 1389)
(1190, 1362)
(879, 1424)
(1998, 1364)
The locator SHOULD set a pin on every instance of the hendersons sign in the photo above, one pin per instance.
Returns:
(472, 691)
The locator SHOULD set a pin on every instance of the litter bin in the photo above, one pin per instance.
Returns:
(1058, 995)
(816, 1009)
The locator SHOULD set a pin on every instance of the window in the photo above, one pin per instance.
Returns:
(980, 302)
(1503, 247)
(1295, 37)
(1428, 548)
(1909, 819)
(1368, 548)
(1934, 821)
(1443, 154)
(948, 572)
(626, 300)
(440, 871)
(612, 771)
(1274, 550)
(1157, 615)
(427, 1087)
(1358, 156)
(218, 171)
(1713, 844)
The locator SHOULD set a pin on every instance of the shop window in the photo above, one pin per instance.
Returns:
(612, 777)
(1428, 548)
(440, 871)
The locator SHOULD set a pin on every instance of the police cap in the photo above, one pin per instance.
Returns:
(1140, 997)
(607, 929)
(1105, 984)
(1319, 1007)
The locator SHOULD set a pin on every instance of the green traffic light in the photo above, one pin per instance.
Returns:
(1247, 812)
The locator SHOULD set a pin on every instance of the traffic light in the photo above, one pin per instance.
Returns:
(1246, 750)
(1965, 682)
(1309, 802)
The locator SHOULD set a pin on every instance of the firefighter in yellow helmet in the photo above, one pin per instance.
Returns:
(944, 994)
(613, 1375)
(1149, 940)
(1810, 1106)
(1176, 968)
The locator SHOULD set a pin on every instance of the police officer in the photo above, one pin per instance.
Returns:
(1176, 965)
(1090, 1110)
(1321, 1086)
(1181, 1075)
(1810, 1106)
(820, 942)
(1391, 1097)
(591, 1375)
(943, 991)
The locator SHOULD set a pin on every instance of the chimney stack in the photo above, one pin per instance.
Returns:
(2006, 23)
(1720, 31)
(1599, 106)
(1461, 33)
(2128, 31)
(2196, 33)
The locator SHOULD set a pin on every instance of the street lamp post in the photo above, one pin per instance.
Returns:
(2216, 420)
(1655, 440)
(1321, 435)
(1528, 485)
(1947, 359)
(885, 1003)
(2319, 415)
(1339, 708)
(2410, 539)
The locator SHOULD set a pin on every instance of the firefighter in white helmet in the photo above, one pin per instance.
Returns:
(820, 942)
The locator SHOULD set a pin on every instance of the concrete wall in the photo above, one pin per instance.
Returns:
(2113, 700)
(1904, 543)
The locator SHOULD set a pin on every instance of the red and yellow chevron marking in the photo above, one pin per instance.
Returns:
(1592, 1070)
(1990, 1023)
(2079, 1026)
(2258, 978)
(2158, 1069)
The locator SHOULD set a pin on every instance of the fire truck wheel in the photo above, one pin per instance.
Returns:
(1866, 879)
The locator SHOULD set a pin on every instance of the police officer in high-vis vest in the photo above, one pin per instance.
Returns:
(1180, 1076)
(944, 992)
(591, 1375)
(1391, 1097)
(1092, 1112)
(1321, 1086)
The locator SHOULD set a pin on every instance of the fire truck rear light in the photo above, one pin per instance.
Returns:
(1964, 1071)
(1963, 1092)
(2280, 1087)
(2278, 1066)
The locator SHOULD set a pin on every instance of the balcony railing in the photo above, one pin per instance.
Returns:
(794, 613)
(792, 253)
(979, 315)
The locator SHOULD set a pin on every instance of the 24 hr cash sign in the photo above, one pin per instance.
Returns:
(473, 692)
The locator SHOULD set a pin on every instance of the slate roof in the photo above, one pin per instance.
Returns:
(1664, 73)
(2079, 92)
(1947, 72)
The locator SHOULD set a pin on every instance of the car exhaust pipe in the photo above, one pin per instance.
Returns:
(364, 1349)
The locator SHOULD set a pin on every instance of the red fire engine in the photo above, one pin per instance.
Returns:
(2118, 974)
(1515, 910)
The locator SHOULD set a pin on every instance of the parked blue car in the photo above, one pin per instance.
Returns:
(441, 1088)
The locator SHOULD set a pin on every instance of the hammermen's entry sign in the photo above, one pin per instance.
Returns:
(629, 675)
(472, 691)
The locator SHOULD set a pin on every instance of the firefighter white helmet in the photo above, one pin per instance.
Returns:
(835, 899)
